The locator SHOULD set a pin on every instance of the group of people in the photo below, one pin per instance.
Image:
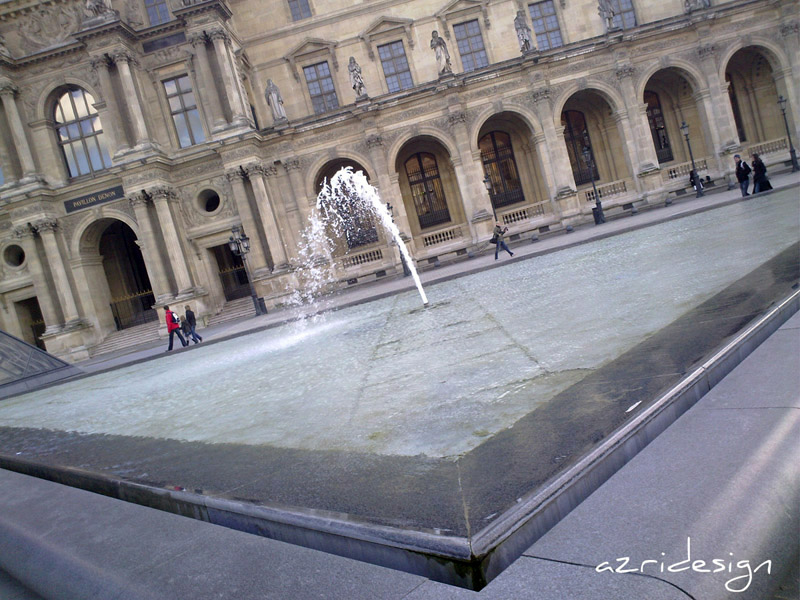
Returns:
(760, 181)
(181, 326)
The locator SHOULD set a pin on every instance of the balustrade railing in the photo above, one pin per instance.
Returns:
(362, 258)
(606, 190)
(681, 170)
(523, 214)
(768, 147)
(441, 237)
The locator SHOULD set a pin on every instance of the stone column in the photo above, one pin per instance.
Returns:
(292, 168)
(469, 171)
(257, 257)
(290, 220)
(152, 257)
(208, 88)
(790, 36)
(220, 40)
(719, 123)
(115, 130)
(390, 191)
(267, 217)
(8, 91)
(161, 198)
(641, 150)
(123, 60)
(47, 231)
(44, 294)
(554, 155)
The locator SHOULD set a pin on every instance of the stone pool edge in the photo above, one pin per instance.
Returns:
(466, 562)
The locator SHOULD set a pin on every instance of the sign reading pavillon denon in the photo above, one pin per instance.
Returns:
(100, 197)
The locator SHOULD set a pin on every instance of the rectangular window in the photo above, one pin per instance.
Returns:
(624, 16)
(395, 66)
(470, 45)
(545, 25)
(320, 87)
(300, 9)
(183, 108)
(157, 11)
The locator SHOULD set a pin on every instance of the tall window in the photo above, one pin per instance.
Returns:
(157, 11)
(426, 189)
(657, 127)
(183, 107)
(80, 134)
(737, 114)
(624, 16)
(576, 137)
(499, 163)
(470, 45)
(300, 9)
(545, 25)
(320, 87)
(395, 66)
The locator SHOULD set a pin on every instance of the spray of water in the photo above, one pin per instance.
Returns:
(346, 206)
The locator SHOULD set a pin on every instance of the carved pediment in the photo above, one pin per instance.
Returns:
(308, 48)
(383, 28)
(459, 9)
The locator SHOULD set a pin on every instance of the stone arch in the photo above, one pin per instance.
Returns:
(92, 226)
(773, 52)
(684, 68)
(422, 131)
(520, 111)
(47, 98)
(608, 93)
(321, 163)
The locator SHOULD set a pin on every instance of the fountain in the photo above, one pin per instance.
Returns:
(342, 205)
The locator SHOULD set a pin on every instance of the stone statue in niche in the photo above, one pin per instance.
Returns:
(606, 10)
(523, 32)
(275, 101)
(356, 81)
(442, 55)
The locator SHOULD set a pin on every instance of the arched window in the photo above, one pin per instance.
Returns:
(426, 189)
(499, 163)
(655, 117)
(80, 134)
(359, 225)
(576, 137)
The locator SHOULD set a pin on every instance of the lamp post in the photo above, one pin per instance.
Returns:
(406, 270)
(597, 211)
(698, 186)
(782, 103)
(487, 183)
(239, 244)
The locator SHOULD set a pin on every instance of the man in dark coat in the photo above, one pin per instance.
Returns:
(760, 181)
(173, 327)
(742, 174)
(192, 321)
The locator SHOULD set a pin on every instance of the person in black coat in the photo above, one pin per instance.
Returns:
(191, 320)
(760, 181)
(742, 174)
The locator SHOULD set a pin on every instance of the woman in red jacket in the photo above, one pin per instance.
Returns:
(174, 327)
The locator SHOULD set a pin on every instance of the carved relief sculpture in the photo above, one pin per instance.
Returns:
(356, 81)
(523, 32)
(442, 55)
(275, 101)
(3, 48)
(99, 9)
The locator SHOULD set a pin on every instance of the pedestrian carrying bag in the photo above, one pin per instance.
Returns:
(493, 240)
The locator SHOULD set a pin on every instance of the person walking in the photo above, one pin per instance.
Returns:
(760, 181)
(742, 174)
(192, 321)
(497, 239)
(173, 327)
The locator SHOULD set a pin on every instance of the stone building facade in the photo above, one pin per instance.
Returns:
(134, 135)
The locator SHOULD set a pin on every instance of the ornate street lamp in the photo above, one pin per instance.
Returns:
(697, 181)
(782, 103)
(487, 183)
(239, 244)
(597, 211)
